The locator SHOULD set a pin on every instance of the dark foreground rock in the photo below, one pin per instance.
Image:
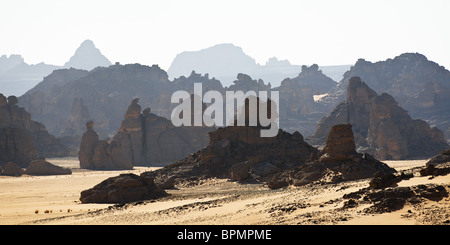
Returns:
(392, 199)
(122, 189)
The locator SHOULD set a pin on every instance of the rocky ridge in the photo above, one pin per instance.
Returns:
(381, 127)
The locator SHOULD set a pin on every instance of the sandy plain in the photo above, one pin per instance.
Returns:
(54, 200)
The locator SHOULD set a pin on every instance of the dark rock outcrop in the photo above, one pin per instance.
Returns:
(437, 165)
(238, 153)
(381, 127)
(42, 167)
(338, 161)
(124, 188)
(392, 199)
(22, 139)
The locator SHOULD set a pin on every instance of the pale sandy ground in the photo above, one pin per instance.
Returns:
(217, 202)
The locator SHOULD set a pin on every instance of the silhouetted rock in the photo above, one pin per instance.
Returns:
(380, 126)
(87, 57)
(338, 161)
(42, 167)
(148, 139)
(238, 153)
(22, 139)
(224, 61)
(88, 143)
(124, 188)
(99, 154)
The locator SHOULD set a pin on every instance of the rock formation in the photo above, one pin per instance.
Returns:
(380, 126)
(144, 139)
(338, 161)
(437, 165)
(22, 139)
(419, 85)
(238, 153)
(148, 139)
(87, 57)
(42, 167)
(122, 189)
(298, 109)
(99, 154)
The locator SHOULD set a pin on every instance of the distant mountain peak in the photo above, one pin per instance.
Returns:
(87, 57)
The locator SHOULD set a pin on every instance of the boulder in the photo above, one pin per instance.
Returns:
(124, 188)
(437, 165)
(12, 169)
(42, 167)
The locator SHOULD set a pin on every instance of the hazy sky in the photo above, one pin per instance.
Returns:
(154, 32)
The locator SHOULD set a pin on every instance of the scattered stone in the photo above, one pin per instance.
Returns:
(392, 199)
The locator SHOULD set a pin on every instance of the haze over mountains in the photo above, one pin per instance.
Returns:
(224, 61)
(67, 98)
(17, 77)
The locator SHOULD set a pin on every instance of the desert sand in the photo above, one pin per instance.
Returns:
(54, 200)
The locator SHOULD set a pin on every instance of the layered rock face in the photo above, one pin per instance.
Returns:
(338, 161)
(22, 139)
(148, 139)
(419, 85)
(380, 126)
(298, 109)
